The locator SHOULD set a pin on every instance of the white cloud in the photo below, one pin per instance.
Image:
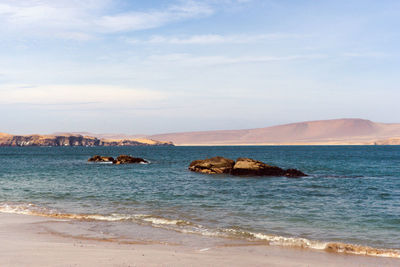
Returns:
(373, 55)
(77, 36)
(40, 14)
(208, 39)
(99, 95)
(85, 18)
(146, 20)
(190, 60)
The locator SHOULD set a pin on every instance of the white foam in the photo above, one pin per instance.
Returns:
(110, 218)
(24, 209)
(161, 221)
(290, 241)
(335, 247)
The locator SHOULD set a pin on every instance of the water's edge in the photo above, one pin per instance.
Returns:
(186, 227)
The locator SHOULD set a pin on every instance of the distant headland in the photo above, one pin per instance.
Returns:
(73, 140)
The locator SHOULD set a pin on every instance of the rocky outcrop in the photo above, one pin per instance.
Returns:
(43, 140)
(242, 167)
(97, 158)
(72, 140)
(125, 159)
(121, 159)
(212, 165)
(246, 166)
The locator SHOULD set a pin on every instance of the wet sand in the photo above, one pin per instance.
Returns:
(24, 241)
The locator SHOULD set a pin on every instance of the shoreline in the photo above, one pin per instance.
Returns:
(30, 243)
(123, 228)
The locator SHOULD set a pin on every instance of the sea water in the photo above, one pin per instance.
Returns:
(350, 199)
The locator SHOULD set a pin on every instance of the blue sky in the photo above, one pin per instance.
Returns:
(166, 66)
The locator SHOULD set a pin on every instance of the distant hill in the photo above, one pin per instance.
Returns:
(324, 132)
(330, 132)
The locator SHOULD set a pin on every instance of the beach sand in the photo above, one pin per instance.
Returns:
(25, 242)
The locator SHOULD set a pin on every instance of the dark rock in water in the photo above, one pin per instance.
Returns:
(98, 158)
(246, 166)
(122, 159)
(125, 159)
(242, 167)
(293, 173)
(212, 165)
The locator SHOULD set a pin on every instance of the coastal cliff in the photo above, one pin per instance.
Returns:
(73, 140)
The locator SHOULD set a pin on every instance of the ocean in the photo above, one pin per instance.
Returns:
(350, 202)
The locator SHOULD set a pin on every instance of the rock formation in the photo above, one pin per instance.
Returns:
(97, 158)
(121, 159)
(125, 159)
(246, 166)
(242, 167)
(212, 165)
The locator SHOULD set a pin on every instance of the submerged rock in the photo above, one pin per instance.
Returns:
(293, 173)
(97, 158)
(121, 159)
(242, 167)
(212, 165)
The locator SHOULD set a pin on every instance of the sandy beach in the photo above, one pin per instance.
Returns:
(25, 242)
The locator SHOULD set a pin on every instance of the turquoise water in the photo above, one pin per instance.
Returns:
(352, 194)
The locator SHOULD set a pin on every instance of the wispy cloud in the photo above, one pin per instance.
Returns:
(208, 39)
(77, 36)
(82, 19)
(373, 55)
(191, 60)
(76, 94)
(146, 20)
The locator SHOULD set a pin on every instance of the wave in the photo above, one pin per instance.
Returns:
(34, 210)
(322, 175)
(337, 247)
(192, 228)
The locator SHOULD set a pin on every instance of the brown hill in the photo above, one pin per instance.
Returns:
(339, 131)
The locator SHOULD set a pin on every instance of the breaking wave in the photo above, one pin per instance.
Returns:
(191, 228)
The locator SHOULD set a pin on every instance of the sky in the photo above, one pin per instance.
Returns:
(146, 67)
